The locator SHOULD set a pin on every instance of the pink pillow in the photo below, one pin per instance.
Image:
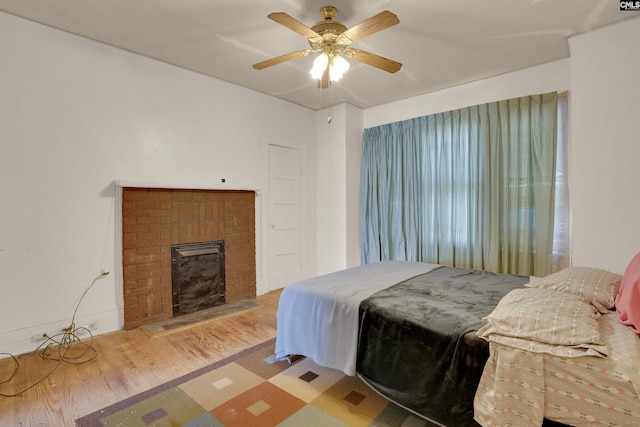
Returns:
(628, 300)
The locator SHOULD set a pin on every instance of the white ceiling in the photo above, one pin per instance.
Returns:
(441, 43)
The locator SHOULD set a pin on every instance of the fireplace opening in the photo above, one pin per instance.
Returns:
(197, 276)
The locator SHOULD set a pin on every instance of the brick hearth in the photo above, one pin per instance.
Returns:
(154, 219)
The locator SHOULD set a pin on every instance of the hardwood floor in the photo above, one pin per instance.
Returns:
(127, 363)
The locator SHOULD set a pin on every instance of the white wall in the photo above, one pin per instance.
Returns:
(553, 76)
(75, 115)
(338, 148)
(605, 160)
(353, 155)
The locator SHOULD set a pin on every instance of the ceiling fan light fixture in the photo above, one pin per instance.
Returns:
(319, 65)
(339, 66)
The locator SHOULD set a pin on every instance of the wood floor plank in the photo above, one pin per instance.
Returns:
(128, 362)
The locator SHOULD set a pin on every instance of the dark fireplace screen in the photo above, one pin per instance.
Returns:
(197, 276)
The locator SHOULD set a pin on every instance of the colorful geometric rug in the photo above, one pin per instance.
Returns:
(253, 389)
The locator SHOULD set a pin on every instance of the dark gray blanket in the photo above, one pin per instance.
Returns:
(418, 343)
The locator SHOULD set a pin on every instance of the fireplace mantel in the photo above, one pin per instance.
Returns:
(184, 186)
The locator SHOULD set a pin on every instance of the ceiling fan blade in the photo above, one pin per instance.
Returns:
(370, 26)
(293, 24)
(374, 60)
(280, 59)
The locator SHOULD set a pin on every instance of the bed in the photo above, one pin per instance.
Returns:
(426, 337)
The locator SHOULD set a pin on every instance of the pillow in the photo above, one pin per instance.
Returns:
(596, 285)
(628, 300)
(545, 321)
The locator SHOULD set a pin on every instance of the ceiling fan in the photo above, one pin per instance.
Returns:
(332, 39)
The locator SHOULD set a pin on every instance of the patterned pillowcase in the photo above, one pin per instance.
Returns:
(545, 321)
(593, 284)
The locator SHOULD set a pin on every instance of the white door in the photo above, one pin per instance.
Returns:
(285, 261)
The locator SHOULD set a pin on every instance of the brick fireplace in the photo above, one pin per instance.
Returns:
(154, 219)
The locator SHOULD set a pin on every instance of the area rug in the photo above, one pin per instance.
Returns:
(253, 389)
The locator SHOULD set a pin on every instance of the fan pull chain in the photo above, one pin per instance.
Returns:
(330, 117)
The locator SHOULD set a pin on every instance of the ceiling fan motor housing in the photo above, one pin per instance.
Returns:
(328, 29)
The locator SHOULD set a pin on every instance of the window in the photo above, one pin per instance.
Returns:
(472, 188)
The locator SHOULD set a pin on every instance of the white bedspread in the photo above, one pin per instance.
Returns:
(318, 317)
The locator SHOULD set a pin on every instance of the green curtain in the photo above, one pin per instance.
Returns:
(471, 188)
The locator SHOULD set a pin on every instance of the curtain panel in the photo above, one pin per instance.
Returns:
(470, 188)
